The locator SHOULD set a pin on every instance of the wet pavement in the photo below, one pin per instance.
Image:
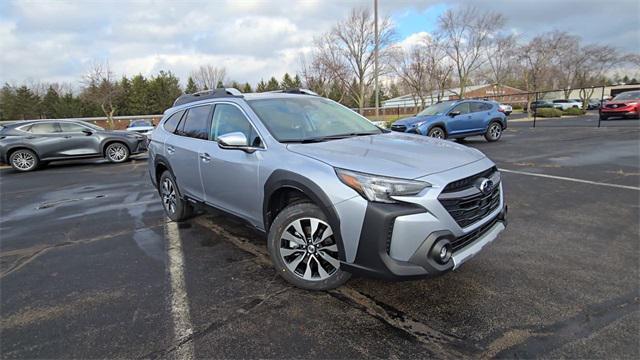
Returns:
(87, 269)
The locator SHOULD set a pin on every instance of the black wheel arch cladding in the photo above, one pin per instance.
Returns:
(286, 179)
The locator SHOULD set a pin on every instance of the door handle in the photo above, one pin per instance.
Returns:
(67, 136)
(170, 150)
(205, 157)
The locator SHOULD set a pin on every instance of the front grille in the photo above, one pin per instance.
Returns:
(466, 203)
(468, 181)
(615, 106)
(467, 239)
(400, 128)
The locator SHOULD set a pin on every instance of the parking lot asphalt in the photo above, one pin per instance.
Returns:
(90, 267)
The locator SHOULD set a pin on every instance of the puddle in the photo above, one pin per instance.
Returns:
(47, 205)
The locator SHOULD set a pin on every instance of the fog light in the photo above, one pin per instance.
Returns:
(441, 251)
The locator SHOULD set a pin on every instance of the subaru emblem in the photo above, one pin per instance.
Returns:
(486, 186)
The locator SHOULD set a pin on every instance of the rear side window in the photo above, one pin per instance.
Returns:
(44, 128)
(71, 127)
(478, 106)
(171, 124)
(196, 122)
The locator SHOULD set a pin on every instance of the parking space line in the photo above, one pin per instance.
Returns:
(571, 179)
(182, 327)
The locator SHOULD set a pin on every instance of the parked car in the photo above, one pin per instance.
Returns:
(626, 105)
(457, 119)
(144, 127)
(539, 104)
(506, 109)
(333, 193)
(593, 104)
(564, 104)
(29, 144)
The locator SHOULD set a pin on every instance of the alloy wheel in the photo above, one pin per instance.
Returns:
(23, 160)
(168, 196)
(117, 152)
(437, 133)
(309, 250)
(495, 130)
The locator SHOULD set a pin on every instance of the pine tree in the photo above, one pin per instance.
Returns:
(287, 82)
(219, 84)
(163, 89)
(49, 103)
(191, 86)
(297, 83)
(273, 84)
(27, 104)
(247, 88)
(261, 87)
(138, 101)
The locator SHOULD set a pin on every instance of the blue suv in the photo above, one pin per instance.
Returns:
(457, 119)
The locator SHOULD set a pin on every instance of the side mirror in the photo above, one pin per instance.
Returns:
(235, 141)
(87, 132)
(454, 113)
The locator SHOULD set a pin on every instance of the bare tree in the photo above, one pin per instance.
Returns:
(501, 58)
(468, 33)
(102, 89)
(209, 76)
(347, 51)
(598, 60)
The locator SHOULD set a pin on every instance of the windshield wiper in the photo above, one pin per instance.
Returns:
(327, 138)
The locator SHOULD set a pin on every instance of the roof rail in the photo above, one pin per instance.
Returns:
(296, 91)
(207, 94)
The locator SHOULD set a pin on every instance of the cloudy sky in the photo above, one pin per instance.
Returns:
(57, 41)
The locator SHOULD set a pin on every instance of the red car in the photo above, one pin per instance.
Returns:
(626, 104)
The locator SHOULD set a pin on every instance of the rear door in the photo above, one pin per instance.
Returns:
(46, 138)
(480, 113)
(184, 147)
(77, 142)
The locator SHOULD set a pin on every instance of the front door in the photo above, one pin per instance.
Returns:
(77, 142)
(460, 123)
(230, 177)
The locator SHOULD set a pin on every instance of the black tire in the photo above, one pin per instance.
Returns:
(603, 117)
(24, 160)
(494, 131)
(437, 132)
(176, 208)
(460, 139)
(117, 152)
(303, 255)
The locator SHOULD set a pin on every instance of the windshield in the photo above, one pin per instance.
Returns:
(93, 126)
(140, 123)
(437, 109)
(304, 118)
(631, 95)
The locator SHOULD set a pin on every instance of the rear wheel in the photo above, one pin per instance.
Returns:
(24, 160)
(304, 250)
(494, 132)
(176, 208)
(117, 152)
(437, 132)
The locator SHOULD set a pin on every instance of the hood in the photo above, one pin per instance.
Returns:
(412, 120)
(391, 154)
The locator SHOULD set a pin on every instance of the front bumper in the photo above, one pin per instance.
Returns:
(397, 241)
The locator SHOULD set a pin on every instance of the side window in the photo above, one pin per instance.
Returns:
(478, 107)
(171, 124)
(44, 128)
(196, 122)
(463, 108)
(71, 127)
(227, 119)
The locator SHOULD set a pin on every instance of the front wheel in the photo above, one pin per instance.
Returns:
(24, 160)
(117, 152)
(603, 117)
(437, 132)
(304, 250)
(494, 132)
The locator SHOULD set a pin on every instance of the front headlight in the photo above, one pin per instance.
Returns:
(380, 188)
(418, 124)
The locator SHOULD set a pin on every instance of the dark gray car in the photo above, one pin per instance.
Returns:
(29, 144)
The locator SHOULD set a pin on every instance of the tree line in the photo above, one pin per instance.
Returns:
(468, 47)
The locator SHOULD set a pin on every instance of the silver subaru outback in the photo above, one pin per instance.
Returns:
(334, 194)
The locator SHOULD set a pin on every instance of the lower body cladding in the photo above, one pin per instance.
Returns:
(417, 240)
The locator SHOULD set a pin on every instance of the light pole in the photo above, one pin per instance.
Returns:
(375, 57)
